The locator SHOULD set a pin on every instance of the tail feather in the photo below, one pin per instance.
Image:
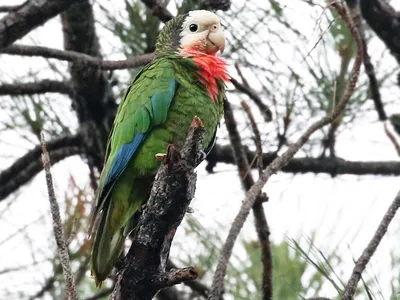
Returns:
(107, 247)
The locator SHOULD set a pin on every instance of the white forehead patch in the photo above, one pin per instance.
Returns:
(200, 17)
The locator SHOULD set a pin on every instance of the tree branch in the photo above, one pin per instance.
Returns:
(9, 8)
(261, 224)
(62, 246)
(27, 166)
(370, 249)
(77, 57)
(143, 271)
(369, 67)
(37, 87)
(196, 286)
(158, 10)
(27, 17)
(278, 163)
(329, 165)
(384, 20)
(264, 109)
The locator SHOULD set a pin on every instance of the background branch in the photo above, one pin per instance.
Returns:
(246, 177)
(278, 163)
(370, 249)
(329, 165)
(28, 16)
(37, 87)
(77, 57)
(58, 228)
(27, 166)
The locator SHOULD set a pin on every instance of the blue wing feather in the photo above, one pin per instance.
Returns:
(157, 115)
(124, 154)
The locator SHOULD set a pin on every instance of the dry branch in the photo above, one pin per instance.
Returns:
(385, 21)
(142, 273)
(37, 87)
(246, 177)
(264, 109)
(77, 57)
(329, 165)
(29, 15)
(57, 227)
(278, 163)
(196, 286)
(27, 166)
(370, 249)
(369, 67)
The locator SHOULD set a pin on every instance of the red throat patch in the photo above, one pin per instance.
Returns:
(212, 68)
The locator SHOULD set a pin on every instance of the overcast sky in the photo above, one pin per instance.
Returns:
(343, 211)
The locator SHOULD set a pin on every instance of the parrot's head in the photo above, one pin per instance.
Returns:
(199, 30)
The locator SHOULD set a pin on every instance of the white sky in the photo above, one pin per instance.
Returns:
(344, 211)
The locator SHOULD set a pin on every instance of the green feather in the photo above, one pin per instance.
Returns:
(158, 107)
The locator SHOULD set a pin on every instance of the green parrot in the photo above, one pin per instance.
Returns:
(185, 79)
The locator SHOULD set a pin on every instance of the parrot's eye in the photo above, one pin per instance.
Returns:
(193, 27)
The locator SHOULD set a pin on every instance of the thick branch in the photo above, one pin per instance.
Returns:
(384, 20)
(27, 17)
(81, 58)
(370, 249)
(27, 166)
(158, 10)
(329, 165)
(143, 271)
(37, 87)
(369, 67)
(278, 163)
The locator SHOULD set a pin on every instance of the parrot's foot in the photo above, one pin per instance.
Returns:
(189, 210)
(203, 155)
(141, 208)
(160, 156)
(172, 155)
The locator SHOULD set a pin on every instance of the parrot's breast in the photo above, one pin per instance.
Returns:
(212, 68)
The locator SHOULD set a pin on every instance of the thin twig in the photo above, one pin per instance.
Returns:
(260, 218)
(370, 249)
(72, 56)
(57, 226)
(392, 138)
(73, 231)
(257, 137)
(278, 163)
(264, 109)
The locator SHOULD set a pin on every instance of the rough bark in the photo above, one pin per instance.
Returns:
(143, 272)
(26, 17)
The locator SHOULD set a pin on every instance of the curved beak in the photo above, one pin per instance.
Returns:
(217, 41)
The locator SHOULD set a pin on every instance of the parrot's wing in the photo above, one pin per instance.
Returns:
(145, 106)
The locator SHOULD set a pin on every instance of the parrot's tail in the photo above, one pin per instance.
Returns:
(107, 247)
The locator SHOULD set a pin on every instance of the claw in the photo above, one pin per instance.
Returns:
(196, 122)
(203, 155)
(142, 207)
(160, 156)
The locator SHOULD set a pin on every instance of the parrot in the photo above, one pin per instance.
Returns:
(185, 79)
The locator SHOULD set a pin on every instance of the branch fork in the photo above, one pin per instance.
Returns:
(143, 271)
